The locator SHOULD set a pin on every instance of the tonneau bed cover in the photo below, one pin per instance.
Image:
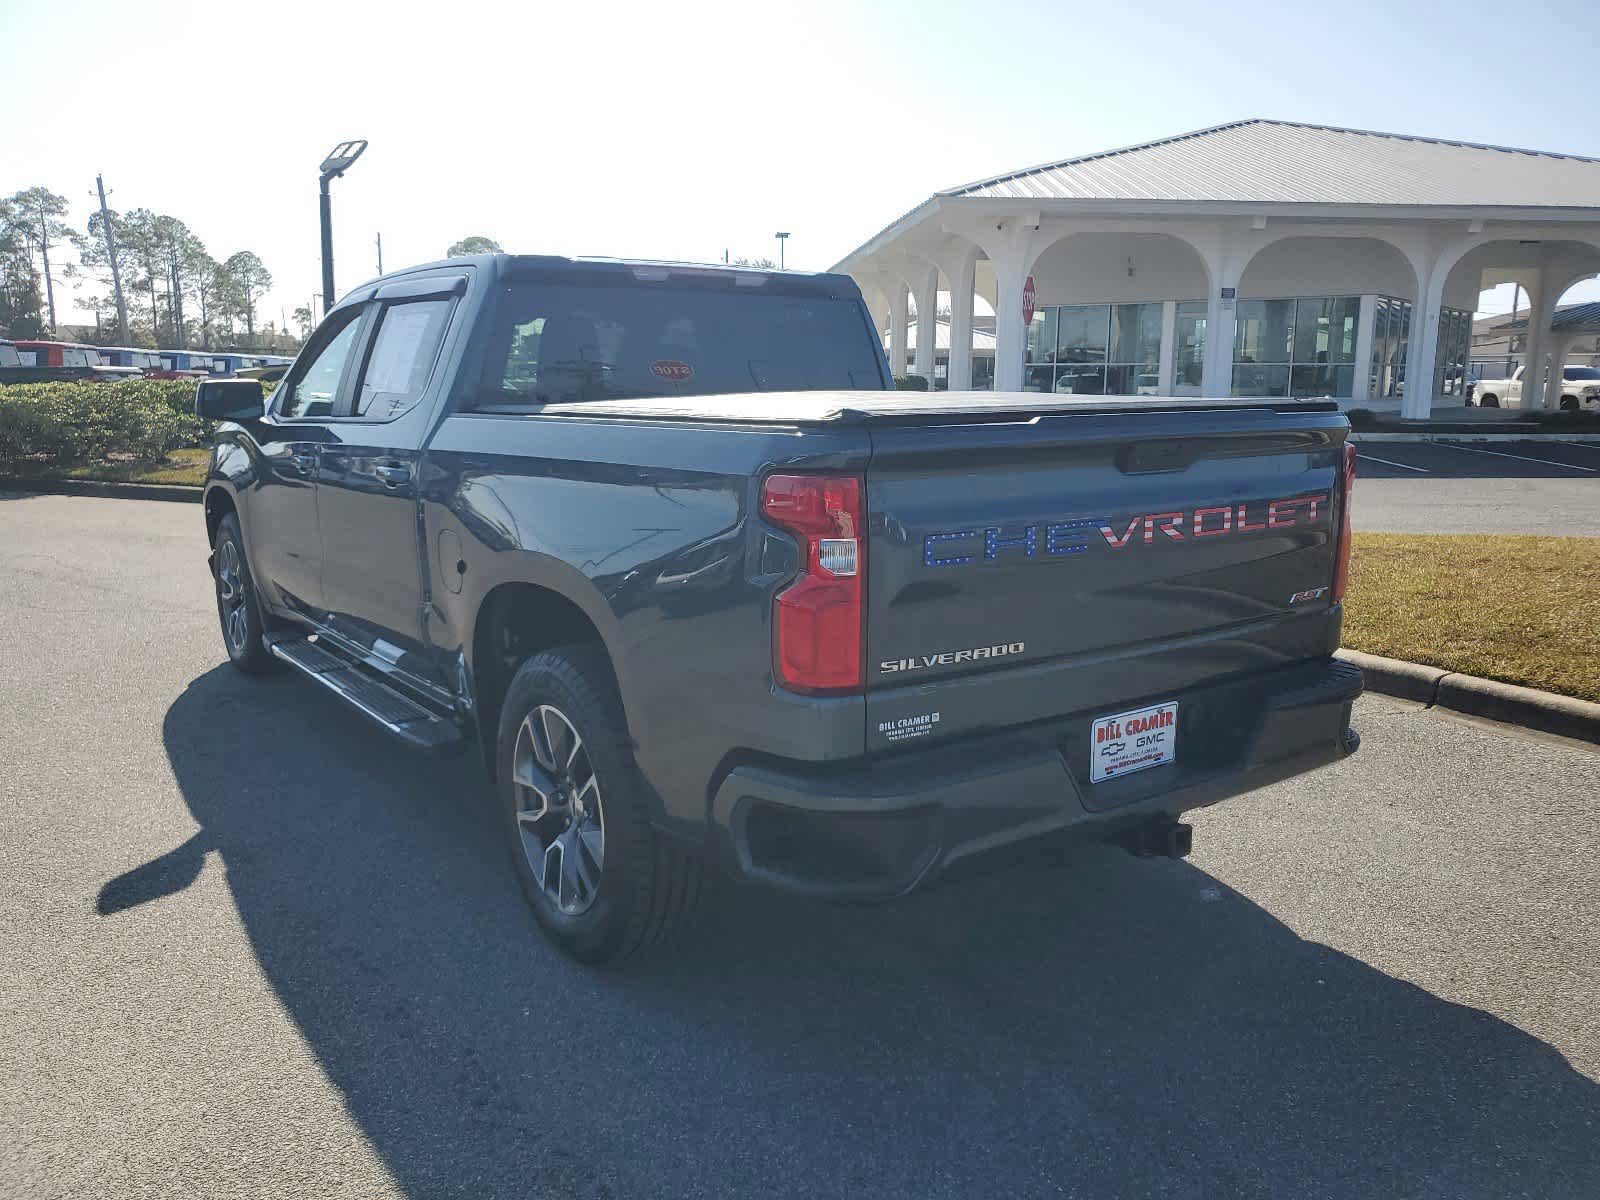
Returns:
(843, 407)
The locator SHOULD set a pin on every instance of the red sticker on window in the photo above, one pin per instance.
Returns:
(671, 368)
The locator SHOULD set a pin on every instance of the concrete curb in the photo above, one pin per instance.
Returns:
(1530, 708)
(103, 488)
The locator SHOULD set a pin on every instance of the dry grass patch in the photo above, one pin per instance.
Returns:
(1519, 609)
(178, 466)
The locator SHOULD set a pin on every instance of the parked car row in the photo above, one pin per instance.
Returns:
(1580, 389)
(37, 361)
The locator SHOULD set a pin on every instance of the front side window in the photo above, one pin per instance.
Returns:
(403, 353)
(554, 343)
(314, 392)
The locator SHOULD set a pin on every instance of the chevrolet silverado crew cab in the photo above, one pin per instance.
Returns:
(1580, 388)
(659, 545)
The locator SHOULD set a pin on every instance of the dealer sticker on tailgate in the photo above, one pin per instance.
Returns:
(1132, 741)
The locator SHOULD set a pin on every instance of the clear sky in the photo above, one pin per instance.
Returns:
(680, 129)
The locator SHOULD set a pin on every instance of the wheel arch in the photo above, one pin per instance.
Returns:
(515, 621)
(219, 502)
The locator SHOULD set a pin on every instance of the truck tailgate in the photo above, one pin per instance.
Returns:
(1025, 569)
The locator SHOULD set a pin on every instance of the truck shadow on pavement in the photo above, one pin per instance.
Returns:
(1108, 1026)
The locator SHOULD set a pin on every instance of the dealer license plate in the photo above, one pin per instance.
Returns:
(1132, 741)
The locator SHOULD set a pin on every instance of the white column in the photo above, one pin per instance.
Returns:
(961, 281)
(1011, 254)
(1169, 336)
(1216, 367)
(1422, 349)
(927, 325)
(1366, 322)
(897, 327)
(1533, 340)
(1544, 311)
(1225, 261)
(1011, 336)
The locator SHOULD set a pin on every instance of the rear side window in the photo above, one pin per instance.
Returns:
(558, 343)
(402, 357)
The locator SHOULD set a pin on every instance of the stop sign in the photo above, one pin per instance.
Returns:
(1027, 301)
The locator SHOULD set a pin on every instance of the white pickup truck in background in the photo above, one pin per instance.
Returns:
(1580, 388)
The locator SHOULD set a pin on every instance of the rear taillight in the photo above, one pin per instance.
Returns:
(1341, 569)
(817, 619)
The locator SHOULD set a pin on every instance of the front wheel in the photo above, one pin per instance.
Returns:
(237, 605)
(601, 882)
(1489, 402)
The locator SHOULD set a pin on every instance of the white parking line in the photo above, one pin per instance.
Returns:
(1583, 445)
(1387, 463)
(1547, 462)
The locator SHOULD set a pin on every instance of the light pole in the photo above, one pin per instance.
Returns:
(335, 165)
(782, 238)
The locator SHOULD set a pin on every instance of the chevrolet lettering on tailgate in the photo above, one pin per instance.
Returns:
(960, 547)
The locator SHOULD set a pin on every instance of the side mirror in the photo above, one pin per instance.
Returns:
(229, 399)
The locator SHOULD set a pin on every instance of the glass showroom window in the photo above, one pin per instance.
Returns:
(1189, 355)
(1092, 349)
(1391, 333)
(1301, 347)
(1455, 342)
(1134, 359)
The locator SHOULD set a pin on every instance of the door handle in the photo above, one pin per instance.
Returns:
(392, 474)
(306, 464)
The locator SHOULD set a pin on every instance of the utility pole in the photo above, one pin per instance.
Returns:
(783, 239)
(111, 256)
(380, 254)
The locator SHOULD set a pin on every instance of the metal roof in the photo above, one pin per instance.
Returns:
(1569, 318)
(1261, 161)
(983, 340)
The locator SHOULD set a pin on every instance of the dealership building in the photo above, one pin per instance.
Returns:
(1259, 258)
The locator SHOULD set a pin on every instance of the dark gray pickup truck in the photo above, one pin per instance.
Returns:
(659, 544)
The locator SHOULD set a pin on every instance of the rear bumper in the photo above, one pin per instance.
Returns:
(880, 828)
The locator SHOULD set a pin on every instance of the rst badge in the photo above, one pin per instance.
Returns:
(1308, 596)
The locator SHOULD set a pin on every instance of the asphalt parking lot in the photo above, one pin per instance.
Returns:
(251, 948)
(1544, 486)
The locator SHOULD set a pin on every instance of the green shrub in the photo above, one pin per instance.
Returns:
(63, 424)
(910, 383)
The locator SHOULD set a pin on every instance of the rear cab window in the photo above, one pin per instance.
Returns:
(618, 337)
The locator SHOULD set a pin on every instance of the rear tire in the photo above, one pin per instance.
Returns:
(601, 881)
(1490, 401)
(1569, 404)
(238, 607)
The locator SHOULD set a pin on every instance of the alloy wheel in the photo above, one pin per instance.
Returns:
(559, 814)
(231, 594)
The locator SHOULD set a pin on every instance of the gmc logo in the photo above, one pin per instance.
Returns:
(958, 547)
